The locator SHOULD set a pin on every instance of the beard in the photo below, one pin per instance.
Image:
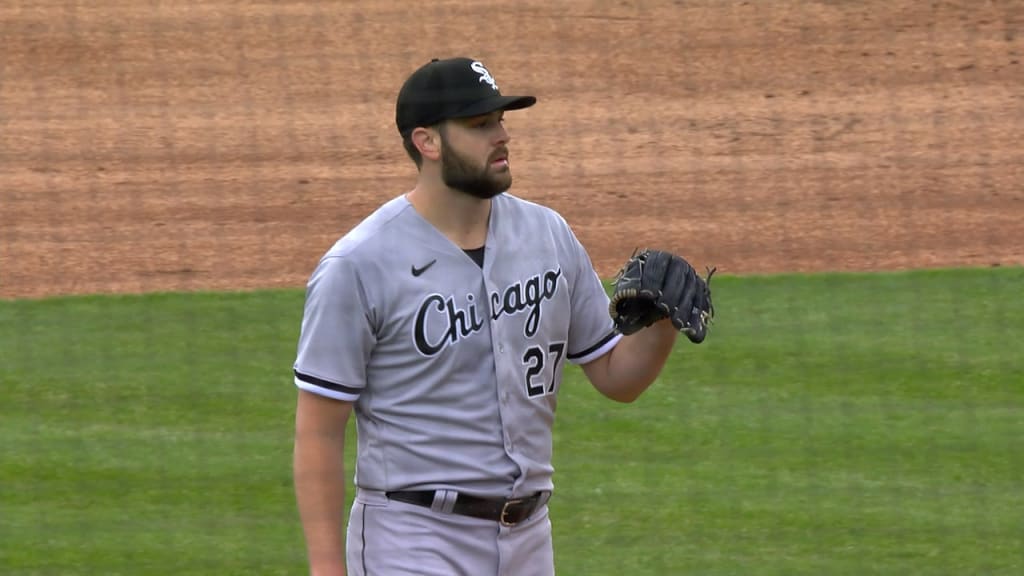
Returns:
(459, 173)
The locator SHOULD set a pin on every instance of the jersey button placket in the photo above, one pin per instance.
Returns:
(501, 365)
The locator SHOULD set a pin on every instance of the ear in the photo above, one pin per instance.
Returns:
(428, 142)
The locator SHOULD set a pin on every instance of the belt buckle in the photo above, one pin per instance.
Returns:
(504, 511)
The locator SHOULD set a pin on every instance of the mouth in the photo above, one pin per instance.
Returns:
(500, 160)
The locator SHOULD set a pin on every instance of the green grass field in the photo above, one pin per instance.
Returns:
(831, 425)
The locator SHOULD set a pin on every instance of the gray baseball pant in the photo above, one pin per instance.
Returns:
(390, 538)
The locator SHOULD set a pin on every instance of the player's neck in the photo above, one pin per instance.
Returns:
(460, 217)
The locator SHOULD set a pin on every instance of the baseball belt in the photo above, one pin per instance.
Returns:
(507, 512)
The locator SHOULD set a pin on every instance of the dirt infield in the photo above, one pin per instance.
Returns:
(226, 145)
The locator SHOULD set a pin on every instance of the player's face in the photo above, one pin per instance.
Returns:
(474, 156)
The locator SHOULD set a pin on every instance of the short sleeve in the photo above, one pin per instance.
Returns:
(591, 329)
(337, 337)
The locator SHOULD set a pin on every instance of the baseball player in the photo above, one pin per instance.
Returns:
(444, 321)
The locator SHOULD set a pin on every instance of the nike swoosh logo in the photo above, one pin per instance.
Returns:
(417, 271)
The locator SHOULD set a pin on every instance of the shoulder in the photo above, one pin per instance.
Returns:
(364, 239)
(531, 211)
(361, 247)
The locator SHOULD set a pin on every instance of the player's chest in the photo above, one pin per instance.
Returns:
(503, 305)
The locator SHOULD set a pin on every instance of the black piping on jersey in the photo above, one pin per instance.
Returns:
(591, 350)
(320, 382)
(362, 536)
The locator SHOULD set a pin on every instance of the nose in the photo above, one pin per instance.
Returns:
(502, 135)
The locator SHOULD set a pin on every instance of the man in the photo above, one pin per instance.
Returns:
(444, 321)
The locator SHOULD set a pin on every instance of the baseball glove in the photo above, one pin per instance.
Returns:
(654, 285)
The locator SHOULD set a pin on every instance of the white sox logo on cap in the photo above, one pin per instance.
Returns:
(485, 76)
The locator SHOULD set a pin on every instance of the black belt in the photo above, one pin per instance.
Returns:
(507, 512)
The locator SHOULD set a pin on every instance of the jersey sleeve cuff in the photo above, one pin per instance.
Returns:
(325, 388)
(597, 350)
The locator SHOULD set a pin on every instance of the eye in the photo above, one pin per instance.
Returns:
(489, 121)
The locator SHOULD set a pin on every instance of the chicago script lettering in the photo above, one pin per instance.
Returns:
(457, 324)
(513, 300)
(440, 322)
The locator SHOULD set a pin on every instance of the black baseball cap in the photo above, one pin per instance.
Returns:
(451, 88)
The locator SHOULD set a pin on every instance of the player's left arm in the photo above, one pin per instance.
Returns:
(628, 369)
(657, 295)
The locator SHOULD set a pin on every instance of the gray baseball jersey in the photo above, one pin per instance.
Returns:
(454, 369)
